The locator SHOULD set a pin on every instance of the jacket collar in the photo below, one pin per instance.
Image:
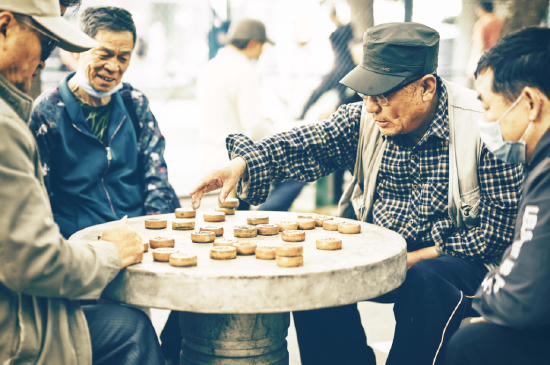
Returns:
(20, 102)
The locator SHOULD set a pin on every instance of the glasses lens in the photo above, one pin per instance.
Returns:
(47, 49)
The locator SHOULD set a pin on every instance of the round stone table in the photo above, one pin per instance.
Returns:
(237, 311)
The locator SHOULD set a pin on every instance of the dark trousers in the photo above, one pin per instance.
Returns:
(282, 195)
(121, 335)
(428, 309)
(491, 344)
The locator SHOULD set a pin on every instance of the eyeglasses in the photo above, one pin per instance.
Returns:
(382, 100)
(47, 46)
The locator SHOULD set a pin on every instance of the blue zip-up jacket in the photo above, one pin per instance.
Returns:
(91, 183)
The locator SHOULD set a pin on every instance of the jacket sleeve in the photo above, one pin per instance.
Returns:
(43, 134)
(500, 185)
(36, 260)
(305, 153)
(159, 196)
(517, 293)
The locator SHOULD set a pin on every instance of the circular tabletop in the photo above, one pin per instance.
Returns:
(370, 263)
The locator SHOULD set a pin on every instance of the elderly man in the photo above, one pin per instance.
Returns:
(513, 82)
(420, 169)
(101, 149)
(42, 276)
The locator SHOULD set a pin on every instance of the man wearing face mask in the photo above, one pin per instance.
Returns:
(513, 82)
(100, 144)
(419, 169)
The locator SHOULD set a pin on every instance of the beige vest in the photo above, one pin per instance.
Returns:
(464, 154)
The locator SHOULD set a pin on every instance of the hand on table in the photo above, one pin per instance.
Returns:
(127, 242)
(422, 254)
(225, 178)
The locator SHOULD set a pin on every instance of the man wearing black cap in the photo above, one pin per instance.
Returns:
(419, 169)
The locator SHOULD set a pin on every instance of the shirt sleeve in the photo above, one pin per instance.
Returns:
(500, 185)
(305, 153)
(36, 260)
(159, 196)
(517, 293)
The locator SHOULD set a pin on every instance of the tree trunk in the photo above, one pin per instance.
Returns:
(521, 14)
(362, 16)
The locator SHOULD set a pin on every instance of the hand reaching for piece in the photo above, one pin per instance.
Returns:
(225, 178)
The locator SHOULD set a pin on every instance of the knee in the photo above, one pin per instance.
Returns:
(458, 347)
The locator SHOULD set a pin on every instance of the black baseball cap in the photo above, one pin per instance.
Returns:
(391, 53)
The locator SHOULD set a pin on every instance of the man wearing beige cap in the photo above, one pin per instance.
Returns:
(42, 275)
(419, 169)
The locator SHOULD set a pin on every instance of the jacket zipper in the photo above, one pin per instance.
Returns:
(109, 158)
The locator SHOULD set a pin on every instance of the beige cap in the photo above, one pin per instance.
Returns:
(47, 14)
(248, 29)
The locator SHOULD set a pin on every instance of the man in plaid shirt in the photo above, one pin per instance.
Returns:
(413, 110)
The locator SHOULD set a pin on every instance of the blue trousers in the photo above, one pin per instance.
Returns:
(121, 335)
(282, 195)
(428, 309)
(491, 344)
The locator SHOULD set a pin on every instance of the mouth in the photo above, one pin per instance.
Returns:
(105, 78)
(383, 123)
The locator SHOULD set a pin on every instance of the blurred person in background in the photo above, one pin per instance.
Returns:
(43, 276)
(100, 144)
(229, 95)
(343, 63)
(418, 171)
(485, 34)
(513, 83)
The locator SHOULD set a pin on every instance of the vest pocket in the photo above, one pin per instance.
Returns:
(469, 207)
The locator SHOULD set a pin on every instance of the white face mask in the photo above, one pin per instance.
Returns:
(507, 151)
(82, 81)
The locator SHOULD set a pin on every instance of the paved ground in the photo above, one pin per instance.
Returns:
(377, 318)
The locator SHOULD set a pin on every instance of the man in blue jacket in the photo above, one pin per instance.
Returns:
(513, 82)
(100, 144)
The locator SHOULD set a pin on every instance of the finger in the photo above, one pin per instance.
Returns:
(202, 184)
(226, 189)
(196, 200)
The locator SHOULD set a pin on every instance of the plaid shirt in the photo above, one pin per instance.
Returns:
(412, 187)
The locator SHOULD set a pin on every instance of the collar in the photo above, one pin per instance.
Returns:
(20, 102)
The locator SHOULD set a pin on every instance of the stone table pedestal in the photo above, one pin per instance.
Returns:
(237, 311)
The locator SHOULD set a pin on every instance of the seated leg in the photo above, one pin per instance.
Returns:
(332, 336)
(122, 335)
(491, 344)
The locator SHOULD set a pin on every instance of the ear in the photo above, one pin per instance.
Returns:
(428, 88)
(534, 102)
(6, 20)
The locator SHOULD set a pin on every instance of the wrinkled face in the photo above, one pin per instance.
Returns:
(514, 124)
(22, 48)
(105, 64)
(405, 112)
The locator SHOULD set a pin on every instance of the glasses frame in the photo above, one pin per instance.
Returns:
(47, 48)
(384, 100)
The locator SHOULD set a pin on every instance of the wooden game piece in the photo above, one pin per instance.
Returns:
(182, 260)
(214, 217)
(227, 211)
(293, 236)
(320, 219)
(185, 213)
(328, 244)
(183, 224)
(156, 223)
(223, 253)
(217, 230)
(161, 242)
(203, 237)
(349, 228)
(305, 223)
(229, 203)
(245, 231)
(288, 226)
(307, 216)
(331, 225)
(257, 219)
(245, 248)
(268, 229)
(290, 261)
(265, 252)
(289, 250)
(163, 254)
(224, 242)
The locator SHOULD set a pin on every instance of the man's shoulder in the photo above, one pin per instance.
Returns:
(462, 97)
(48, 99)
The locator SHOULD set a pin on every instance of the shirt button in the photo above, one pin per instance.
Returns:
(413, 157)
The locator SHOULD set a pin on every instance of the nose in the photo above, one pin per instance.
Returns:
(111, 66)
(41, 65)
(371, 106)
